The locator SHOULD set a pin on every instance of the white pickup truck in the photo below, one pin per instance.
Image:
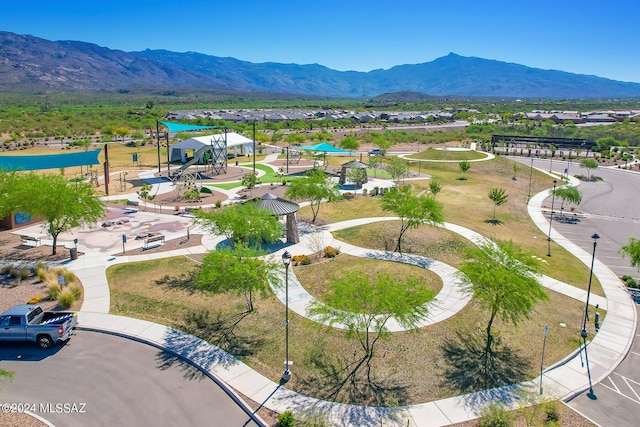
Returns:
(28, 322)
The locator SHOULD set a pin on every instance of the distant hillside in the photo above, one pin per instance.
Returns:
(29, 63)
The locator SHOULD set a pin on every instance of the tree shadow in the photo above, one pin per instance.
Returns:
(341, 379)
(215, 328)
(471, 369)
(189, 371)
(183, 282)
(493, 221)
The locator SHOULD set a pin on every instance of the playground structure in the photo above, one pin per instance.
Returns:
(214, 156)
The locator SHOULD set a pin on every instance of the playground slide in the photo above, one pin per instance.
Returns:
(196, 158)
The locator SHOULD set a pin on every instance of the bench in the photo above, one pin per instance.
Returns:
(30, 240)
(158, 240)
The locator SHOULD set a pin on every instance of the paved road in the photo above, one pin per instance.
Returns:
(612, 210)
(120, 381)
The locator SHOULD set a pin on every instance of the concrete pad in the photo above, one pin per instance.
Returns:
(155, 333)
(455, 409)
(428, 412)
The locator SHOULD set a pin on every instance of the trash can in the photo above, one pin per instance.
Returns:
(73, 253)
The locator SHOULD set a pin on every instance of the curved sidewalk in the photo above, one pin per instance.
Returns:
(605, 351)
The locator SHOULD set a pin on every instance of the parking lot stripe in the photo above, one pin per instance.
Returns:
(617, 390)
(632, 390)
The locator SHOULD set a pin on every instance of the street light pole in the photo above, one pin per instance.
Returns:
(286, 260)
(530, 176)
(584, 333)
(553, 199)
(595, 238)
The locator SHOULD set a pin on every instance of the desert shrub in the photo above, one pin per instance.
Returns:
(630, 282)
(35, 300)
(76, 291)
(217, 203)
(495, 415)
(42, 274)
(53, 291)
(551, 413)
(301, 260)
(23, 273)
(66, 298)
(331, 252)
(206, 190)
(69, 277)
(8, 269)
(286, 419)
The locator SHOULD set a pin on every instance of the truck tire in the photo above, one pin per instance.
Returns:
(45, 341)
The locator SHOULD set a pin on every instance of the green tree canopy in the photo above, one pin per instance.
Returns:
(435, 187)
(364, 305)
(464, 166)
(63, 204)
(632, 250)
(237, 269)
(8, 196)
(250, 181)
(350, 142)
(499, 197)
(357, 176)
(568, 194)
(398, 169)
(412, 209)
(316, 187)
(241, 223)
(589, 164)
(502, 279)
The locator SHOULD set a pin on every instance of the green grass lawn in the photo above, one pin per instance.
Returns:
(434, 362)
(451, 155)
(410, 367)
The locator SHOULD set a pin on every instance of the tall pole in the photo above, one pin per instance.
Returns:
(254, 146)
(553, 198)
(286, 260)
(106, 169)
(585, 318)
(544, 344)
(158, 139)
(168, 163)
(530, 177)
(584, 333)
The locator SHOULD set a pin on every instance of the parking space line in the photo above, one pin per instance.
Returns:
(629, 385)
(621, 394)
(633, 352)
(627, 378)
(617, 390)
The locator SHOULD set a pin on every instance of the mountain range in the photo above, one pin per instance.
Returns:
(32, 64)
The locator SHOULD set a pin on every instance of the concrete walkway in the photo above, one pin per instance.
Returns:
(563, 381)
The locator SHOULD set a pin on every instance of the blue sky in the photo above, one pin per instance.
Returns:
(587, 37)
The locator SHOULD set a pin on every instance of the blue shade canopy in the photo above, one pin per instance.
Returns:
(49, 161)
(181, 127)
(324, 147)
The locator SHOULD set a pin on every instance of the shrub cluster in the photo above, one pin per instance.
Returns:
(330, 252)
(630, 282)
(301, 260)
(65, 295)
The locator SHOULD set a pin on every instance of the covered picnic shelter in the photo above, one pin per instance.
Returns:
(279, 206)
(353, 164)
